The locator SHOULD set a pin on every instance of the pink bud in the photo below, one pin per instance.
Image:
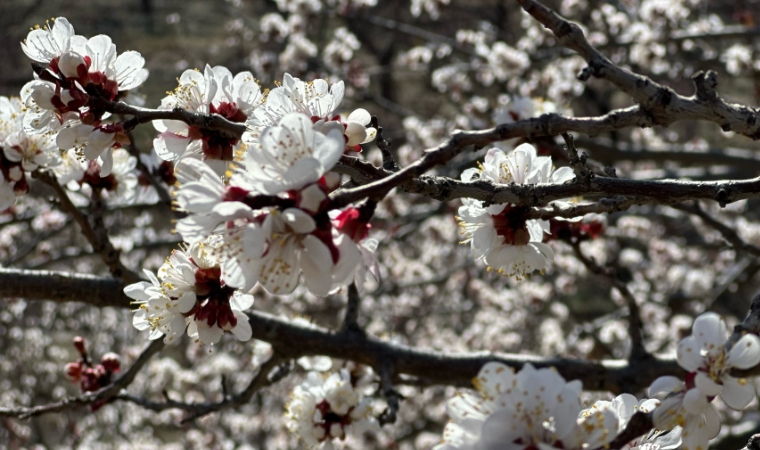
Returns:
(111, 362)
(79, 344)
(73, 371)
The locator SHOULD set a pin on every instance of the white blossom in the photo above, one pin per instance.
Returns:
(705, 353)
(498, 233)
(686, 407)
(533, 408)
(326, 407)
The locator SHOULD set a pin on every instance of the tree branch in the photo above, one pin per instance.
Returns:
(728, 233)
(662, 104)
(350, 320)
(635, 326)
(196, 410)
(96, 234)
(100, 397)
(292, 341)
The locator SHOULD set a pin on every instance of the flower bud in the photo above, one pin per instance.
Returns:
(79, 345)
(69, 64)
(73, 371)
(111, 362)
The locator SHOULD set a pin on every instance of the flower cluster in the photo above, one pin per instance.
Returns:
(295, 140)
(73, 74)
(534, 408)
(709, 360)
(329, 406)
(21, 153)
(499, 233)
(191, 294)
(91, 377)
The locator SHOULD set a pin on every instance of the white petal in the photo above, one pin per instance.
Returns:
(242, 330)
(694, 401)
(360, 116)
(241, 302)
(706, 385)
(299, 221)
(106, 162)
(710, 330)
(737, 393)
(316, 263)
(745, 353)
(688, 354)
(666, 384)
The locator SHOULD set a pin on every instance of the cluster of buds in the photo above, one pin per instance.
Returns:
(89, 376)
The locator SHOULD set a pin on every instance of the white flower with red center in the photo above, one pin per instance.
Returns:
(20, 152)
(530, 409)
(19, 147)
(208, 199)
(157, 312)
(706, 354)
(326, 407)
(498, 233)
(215, 91)
(219, 307)
(94, 142)
(624, 406)
(686, 406)
(291, 156)
(78, 69)
(318, 101)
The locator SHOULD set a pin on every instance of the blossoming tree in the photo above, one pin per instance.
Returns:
(310, 291)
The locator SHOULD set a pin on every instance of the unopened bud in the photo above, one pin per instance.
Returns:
(111, 362)
(69, 64)
(79, 345)
(73, 371)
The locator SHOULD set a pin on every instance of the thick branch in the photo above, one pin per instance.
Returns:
(291, 341)
(546, 125)
(665, 192)
(143, 115)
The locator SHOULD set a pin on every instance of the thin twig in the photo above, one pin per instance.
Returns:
(102, 396)
(635, 325)
(392, 396)
(96, 235)
(728, 233)
(197, 410)
(577, 161)
(350, 320)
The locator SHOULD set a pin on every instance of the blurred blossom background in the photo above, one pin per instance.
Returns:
(424, 68)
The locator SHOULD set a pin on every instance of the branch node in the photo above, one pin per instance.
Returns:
(350, 320)
(706, 84)
(578, 162)
(388, 416)
(385, 147)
